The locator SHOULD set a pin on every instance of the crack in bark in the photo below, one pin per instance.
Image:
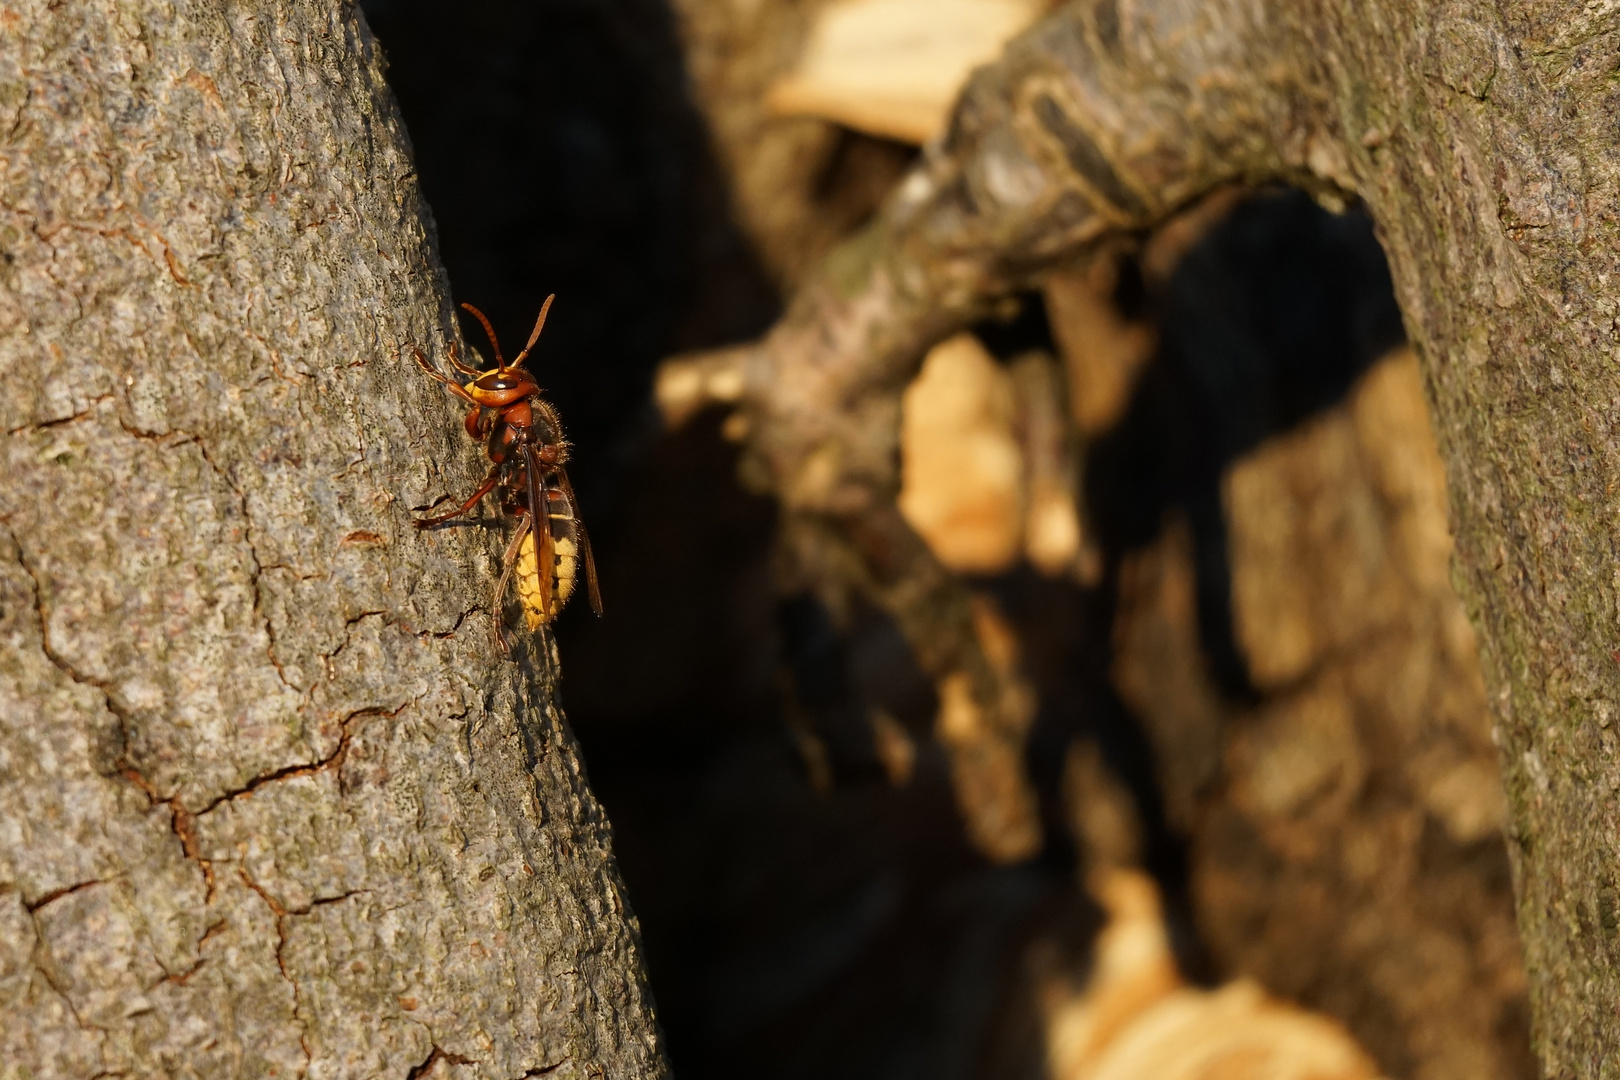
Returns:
(281, 961)
(50, 981)
(72, 1009)
(180, 820)
(275, 907)
(47, 235)
(63, 421)
(445, 635)
(66, 890)
(436, 1055)
(51, 654)
(348, 634)
(11, 132)
(322, 901)
(169, 258)
(182, 437)
(180, 978)
(295, 572)
(258, 567)
(39, 944)
(334, 760)
(275, 357)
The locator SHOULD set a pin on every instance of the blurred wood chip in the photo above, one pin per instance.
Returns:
(961, 465)
(893, 68)
(1136, 1020)
(1102, 352)
(1054, 541)
(896, 749)
(987, 469)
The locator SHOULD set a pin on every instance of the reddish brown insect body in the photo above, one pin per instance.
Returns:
(527, 452)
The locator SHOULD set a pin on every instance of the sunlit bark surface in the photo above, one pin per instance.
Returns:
(271, 802)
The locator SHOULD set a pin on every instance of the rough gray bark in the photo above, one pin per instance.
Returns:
(271, 801)
(1481, 138)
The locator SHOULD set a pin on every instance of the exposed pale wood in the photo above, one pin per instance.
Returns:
(962, 471)
(894, 67)
(1102, 351)
(1136, 1019)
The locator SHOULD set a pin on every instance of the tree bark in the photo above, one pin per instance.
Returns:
(1481, 138)
(272, 801)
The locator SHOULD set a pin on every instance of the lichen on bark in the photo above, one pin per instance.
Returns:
(272, 801)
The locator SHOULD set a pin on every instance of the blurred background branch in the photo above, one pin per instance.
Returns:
(1087, 564)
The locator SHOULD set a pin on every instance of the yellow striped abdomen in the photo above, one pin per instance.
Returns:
(560, 580)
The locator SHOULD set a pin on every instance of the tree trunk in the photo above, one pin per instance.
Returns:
(1481, 138)
(1488, 157)
(272, 801)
